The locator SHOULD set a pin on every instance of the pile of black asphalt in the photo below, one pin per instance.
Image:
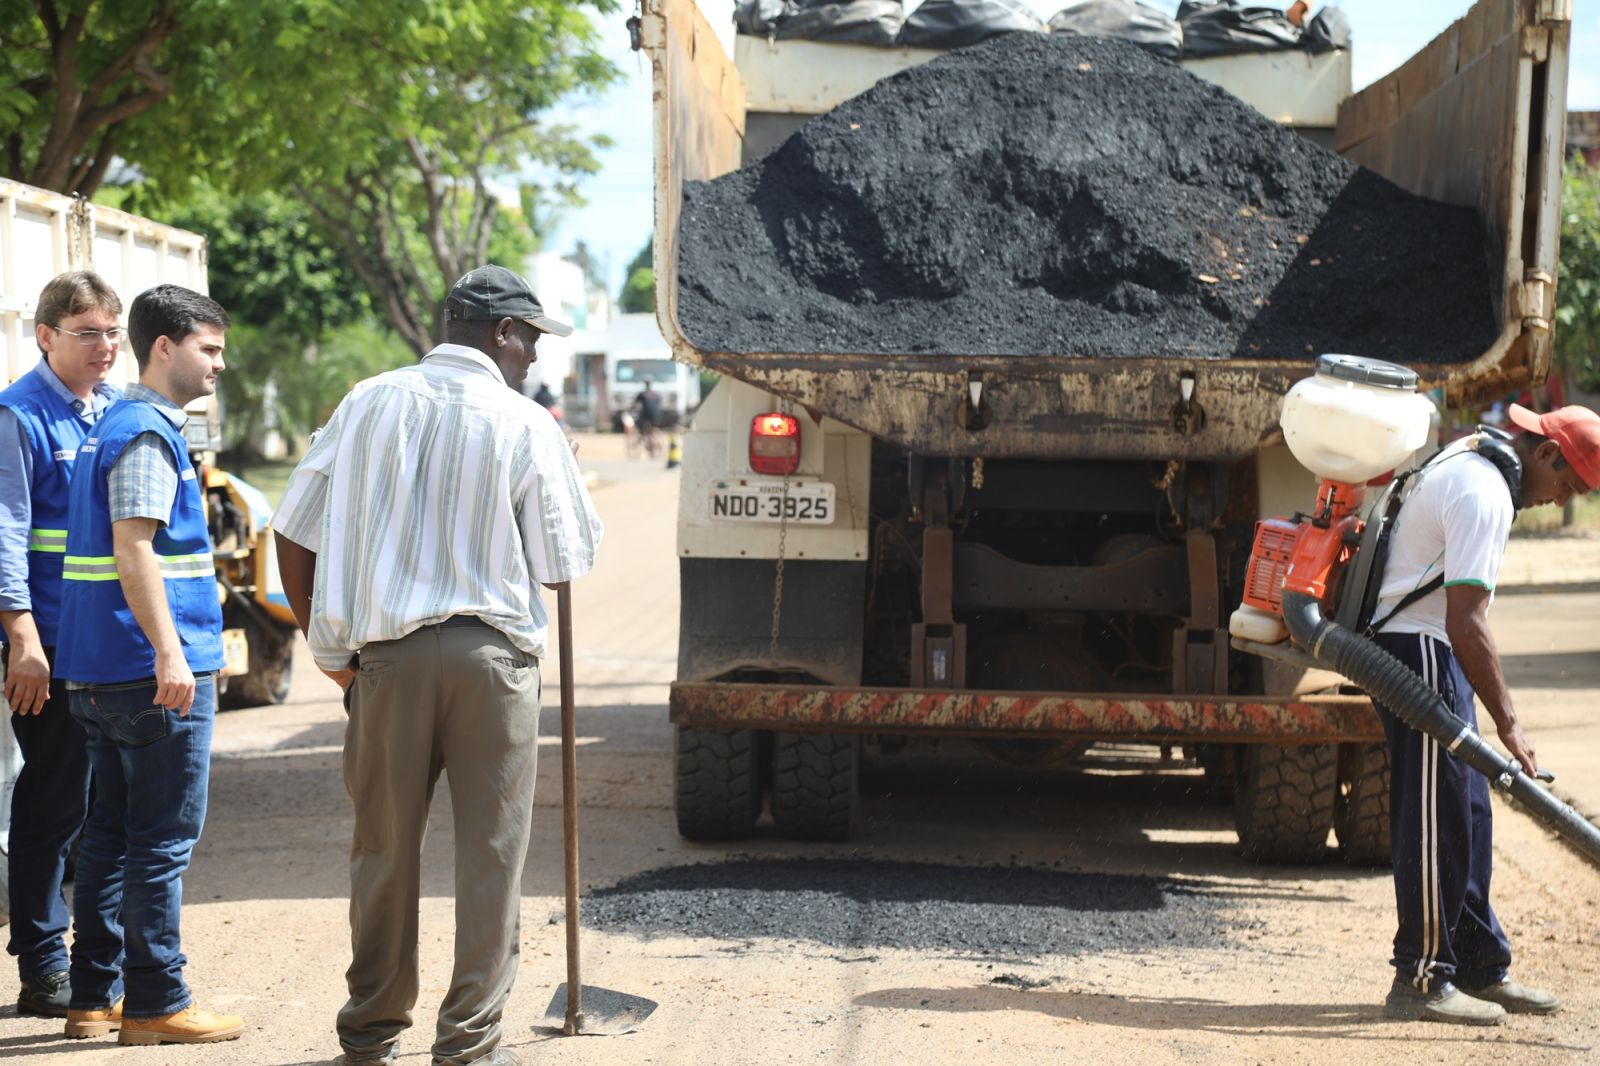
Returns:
(999, 911)
(1073, 196)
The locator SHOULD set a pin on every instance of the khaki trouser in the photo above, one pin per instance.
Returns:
(463, 699)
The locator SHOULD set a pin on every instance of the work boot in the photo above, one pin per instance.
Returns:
(191, 1025)
(1517, 998)
(1446, 1003)
(96, 1021)
(45, 995)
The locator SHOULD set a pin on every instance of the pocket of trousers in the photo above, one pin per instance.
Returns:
(129, 713)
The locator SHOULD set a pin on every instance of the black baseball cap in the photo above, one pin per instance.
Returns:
(491, 293)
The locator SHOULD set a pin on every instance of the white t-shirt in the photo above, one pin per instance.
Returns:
(1455, 520)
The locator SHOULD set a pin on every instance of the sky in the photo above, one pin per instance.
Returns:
(616, 221)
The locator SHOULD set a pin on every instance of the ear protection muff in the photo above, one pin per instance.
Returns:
(1495, 445)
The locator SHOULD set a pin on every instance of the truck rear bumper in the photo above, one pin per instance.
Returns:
(1040, 716)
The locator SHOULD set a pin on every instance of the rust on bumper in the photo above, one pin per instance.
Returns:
(1043, 716)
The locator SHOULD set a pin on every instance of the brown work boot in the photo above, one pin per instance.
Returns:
(99, 1021)
(191, 1025)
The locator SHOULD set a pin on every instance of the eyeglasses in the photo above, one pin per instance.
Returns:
(89, 338)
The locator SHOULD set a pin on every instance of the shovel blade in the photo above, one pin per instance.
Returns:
(604, 1012)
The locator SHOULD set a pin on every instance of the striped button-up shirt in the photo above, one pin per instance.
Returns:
(435, 491)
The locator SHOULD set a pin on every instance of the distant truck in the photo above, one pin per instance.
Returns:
(43, 234)
(834, 587)
(637, 354)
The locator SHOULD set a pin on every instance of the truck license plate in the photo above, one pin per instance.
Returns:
(808, 502)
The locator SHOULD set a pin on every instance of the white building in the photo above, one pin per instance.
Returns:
(567, 297)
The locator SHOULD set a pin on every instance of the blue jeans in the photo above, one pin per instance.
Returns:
(151, 771)
(47, 812)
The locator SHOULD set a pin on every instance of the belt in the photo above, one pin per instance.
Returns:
(456, 621)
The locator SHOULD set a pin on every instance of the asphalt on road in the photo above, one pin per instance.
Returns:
(983, 912)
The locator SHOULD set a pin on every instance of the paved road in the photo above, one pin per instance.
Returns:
(1203, 959)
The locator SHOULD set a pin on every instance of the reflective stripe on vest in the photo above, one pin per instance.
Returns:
(104, 567)
(47, 540)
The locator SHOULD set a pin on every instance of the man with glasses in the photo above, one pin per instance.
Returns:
(44, 417)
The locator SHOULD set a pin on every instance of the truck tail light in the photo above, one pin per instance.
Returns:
(774, 443)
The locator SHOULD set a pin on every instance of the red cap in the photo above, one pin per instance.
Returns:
(1575, 429)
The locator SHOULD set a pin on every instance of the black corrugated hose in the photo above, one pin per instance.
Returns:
(1396, 686)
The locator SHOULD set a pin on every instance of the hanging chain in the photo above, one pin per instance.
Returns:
(977, 472)
(784, 407)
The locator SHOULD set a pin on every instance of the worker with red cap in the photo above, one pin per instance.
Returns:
(1452, 959)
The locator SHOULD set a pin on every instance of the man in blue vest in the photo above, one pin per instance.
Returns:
(43, 419)
(139, 649)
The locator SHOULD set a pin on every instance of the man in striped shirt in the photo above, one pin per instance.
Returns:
(412, 539)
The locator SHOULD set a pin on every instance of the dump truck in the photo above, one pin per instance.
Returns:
(44, 233)
(873, 548)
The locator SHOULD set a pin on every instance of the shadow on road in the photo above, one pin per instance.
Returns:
(1332, 1020)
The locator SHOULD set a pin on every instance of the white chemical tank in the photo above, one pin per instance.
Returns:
(1355, 418)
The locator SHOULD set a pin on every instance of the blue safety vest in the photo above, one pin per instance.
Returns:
(100, 640)
(54, 432)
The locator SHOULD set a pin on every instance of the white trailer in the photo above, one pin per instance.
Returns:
(43, 234)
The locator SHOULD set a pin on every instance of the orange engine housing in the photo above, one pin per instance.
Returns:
(1304, 554)
(1269, 563)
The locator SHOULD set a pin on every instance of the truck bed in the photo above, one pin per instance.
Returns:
(1475, 119)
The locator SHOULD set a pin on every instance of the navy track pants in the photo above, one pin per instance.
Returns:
(1441, 830)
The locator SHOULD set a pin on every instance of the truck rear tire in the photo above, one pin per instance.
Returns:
(1361, 806)
(816, 784)
(717, 794)
(1283, 802)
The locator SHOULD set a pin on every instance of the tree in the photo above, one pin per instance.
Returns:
(1577, 339)
(288, 293)
(73, 75)
(401, 163)
(395, 122)
(639, 290)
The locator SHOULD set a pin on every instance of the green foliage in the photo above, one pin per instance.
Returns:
(1577, 334)
(287, 291)
(329, 370)
(393, 122)
(639, 290)
(132, 63)
(274, 383)
(270, 268)
(405, 114)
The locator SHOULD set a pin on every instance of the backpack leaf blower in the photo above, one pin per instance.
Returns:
(1312, 578)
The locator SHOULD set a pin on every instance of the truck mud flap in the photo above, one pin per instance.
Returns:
(1318, 719)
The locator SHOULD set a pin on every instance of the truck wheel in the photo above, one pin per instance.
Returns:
(816, 784)
(1361, 807)
(271, 663)
(1283, 802)
(718, 783)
